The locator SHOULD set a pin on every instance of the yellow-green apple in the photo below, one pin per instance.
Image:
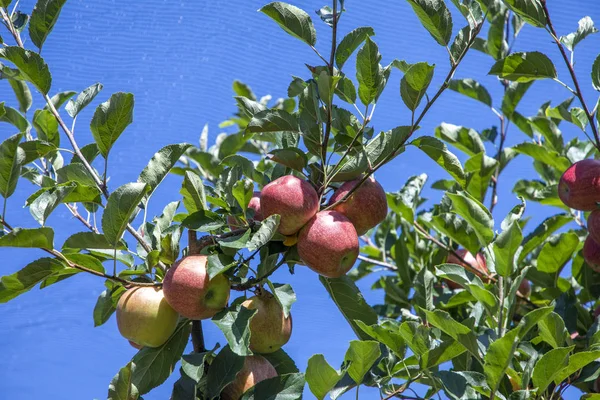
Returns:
(591, 253)
(328, 244)
(295, 200)
(579, 186)
(191, 293)
(477, 263)
(366, 206)
(269, 328)
(254, 204)
(135, 345)
(144, 316)
(256, 369)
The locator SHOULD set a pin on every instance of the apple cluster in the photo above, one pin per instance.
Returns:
(579, 188)
(327, 242)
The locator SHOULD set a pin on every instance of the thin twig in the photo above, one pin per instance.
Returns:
(387, 266)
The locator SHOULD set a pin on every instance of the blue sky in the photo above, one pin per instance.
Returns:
(179, 59)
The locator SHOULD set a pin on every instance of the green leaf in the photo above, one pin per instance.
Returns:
(43, 17)
(23, 94)
(463, 385)
(471, 88)
(235, 325)
(346, 90)
(499, 356)
(41, 238)
(59, 99)
(75, 173)
(222, 371)
(273, 121)
(203, 221)
(242, 192)
(350, 302)
(549, 366)
(513, 95)
(12, 157)
(192, 189)
(505, 249)
(596, 73)
(193, 365)
(105, 305)
(524, 67)
(438, 152)
(586, 27)
(25, 279)
(475, 214)
(83, 99)
(90, 240)
(531, 11)
(386, 332)
(282, 387)
(460, 45)
(153, 365)
(387, 144)
(454, 329)
(458, 230)
(31, 66)
(241, 89)
(121, 205)
(293, 20)
(435, 17)
(552, 330)
(350, 42)
(35, 149)
(160, 164)
(268, 228)
(464, 139)
(543, 155)
(361, 356)
(480, 169)
(414, 84)
(406, 200)
(235, 242)
(291, 157)
(320, 376)
(110, 120)
(45, 203)
(12, 116)
(282, 362)
(46, 126)
(576, 362)
(369, 73)
(120, 387)
(556, 253)
(285, 296)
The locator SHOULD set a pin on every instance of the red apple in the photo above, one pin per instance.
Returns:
(525, 288)
(579, 186)
(593, 225)
(269, 328)
(328, 244)
(366, 207)
(144, 316)
(191, 293)
(478, 263)
(295, 200)
(255, 369)
(591, 253)
(254, 204)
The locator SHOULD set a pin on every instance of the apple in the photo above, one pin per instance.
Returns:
(256, 369)
(269, 327)
(135, 345)
(525, 288)
(478, 263)
(593, 225)
(591, 253)
(366, 207)
(597, 312)
(295, 200)
(254, 204)
(579, 186)
(328, 244)
(144, 316)
(191, 293)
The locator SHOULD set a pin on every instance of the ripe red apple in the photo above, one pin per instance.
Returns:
(593, 225)
(525, 288)
(269, 327)
(579, 186)
(366, 207)
(328, 244)
(478, 263)
(191, 293)
(255, 369)
(591, 253)
(144, 316)
(254, 204)
(295, 200)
